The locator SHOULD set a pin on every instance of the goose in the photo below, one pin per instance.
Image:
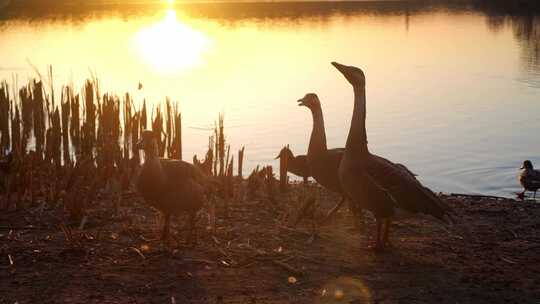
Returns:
(297, 165)
(529, 178)
(375, 183)
(171, 186)
(323, 162)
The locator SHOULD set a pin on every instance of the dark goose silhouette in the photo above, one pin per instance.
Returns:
(375, 183)
(296, 165)
(323, 162)
(529, 178)
(174, 187)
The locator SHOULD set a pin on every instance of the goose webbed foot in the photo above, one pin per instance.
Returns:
(382, 241)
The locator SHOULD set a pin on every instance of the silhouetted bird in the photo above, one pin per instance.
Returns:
(297, 165)
(173, 187)
(529, 178)
(323, 162)
(373, 182)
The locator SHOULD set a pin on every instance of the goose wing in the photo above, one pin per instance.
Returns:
(535, 175)
(408, 192)
(364, 190)
(179, 171)
(325, 169)
(530, 179)
(299, 166)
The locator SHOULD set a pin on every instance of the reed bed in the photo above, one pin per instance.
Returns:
(71, 153)
(82, 142)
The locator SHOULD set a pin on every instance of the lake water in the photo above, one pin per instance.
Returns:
(453, 92)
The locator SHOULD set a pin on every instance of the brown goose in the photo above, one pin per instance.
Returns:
(529, 178)
(375, 183)
(173, 187)
(323, 162)
(297, 165)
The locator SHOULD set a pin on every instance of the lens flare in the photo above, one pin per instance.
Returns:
(344, 290)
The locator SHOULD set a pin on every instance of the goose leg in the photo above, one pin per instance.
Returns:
(192, 236)
(333, 210)
(377, 246)
(165, 232)
(388, 223)
(358, 216)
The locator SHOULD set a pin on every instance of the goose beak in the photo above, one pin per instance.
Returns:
(301, 102)
(340, 67)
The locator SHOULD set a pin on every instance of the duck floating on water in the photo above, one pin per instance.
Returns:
(296, 165)
(174, 187)
(375, 183)
(529, 178)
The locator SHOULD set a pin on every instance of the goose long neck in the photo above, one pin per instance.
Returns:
(152, 165)
(317, 142)
(357, 139)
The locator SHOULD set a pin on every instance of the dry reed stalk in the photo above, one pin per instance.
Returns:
(177, 138)
(269, 179)
(16, 131)
(157, 127)
(4, 118)
(54, 140)
(65, 101)
(168, 127)
(240, 162)
(38, 112)
(26, 116)
(283, 178)
(220, 145)
(74, 125)
(213, 147)
(128, 125)
(144, 116)
(88, 129)
(135, 123)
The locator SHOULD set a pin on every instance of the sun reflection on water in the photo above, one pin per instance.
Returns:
(171, 46)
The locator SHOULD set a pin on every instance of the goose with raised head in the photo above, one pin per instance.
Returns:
(529, 178)
(174, 187)
(323, 162)
(296, 165)
(375, 183)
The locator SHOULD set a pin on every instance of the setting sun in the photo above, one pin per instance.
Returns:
(171, 46)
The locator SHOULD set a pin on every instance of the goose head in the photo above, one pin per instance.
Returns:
(285, 153)
(527, 165)
(354, 75)
(310, 100)
(148, 143)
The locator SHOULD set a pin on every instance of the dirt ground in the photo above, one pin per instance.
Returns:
(492, 255)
